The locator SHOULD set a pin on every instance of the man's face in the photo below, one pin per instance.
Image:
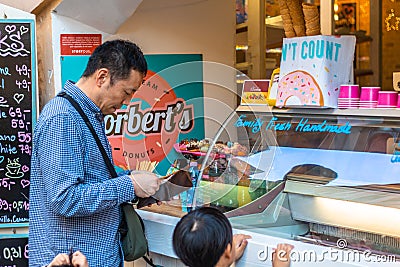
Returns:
(114, 96)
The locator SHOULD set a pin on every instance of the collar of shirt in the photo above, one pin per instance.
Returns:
(71, 89)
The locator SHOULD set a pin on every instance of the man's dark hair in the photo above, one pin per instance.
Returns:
(201, 237)
(120, 57)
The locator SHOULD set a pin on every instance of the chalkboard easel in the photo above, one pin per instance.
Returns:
(14, 250)
(17, 117)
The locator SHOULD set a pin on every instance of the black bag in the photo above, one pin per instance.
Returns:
(134, 241)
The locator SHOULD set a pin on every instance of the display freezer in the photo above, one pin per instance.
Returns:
(323, 177)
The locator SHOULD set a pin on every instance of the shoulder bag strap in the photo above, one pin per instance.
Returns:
(89, 125)
(103, 153)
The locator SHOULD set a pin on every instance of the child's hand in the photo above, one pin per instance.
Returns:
(79, 260)
(239, 244)
(281, 255)
(60, 259)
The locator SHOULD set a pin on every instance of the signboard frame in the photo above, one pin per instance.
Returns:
(22, 86)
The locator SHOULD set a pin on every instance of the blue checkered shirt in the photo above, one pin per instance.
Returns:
(73, 202)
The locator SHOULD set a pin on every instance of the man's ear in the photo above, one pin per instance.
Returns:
(101, 76)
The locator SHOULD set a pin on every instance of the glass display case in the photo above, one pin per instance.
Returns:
(318, 176)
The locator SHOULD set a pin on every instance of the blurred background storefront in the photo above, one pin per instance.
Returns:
(374, 23)
(259, 32)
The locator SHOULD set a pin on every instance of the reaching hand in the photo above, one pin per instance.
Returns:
(79, 260)
(239, 244)
(145, 183)
(62, 259)
(281, 255)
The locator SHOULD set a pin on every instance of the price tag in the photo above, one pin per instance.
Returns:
(14, 252)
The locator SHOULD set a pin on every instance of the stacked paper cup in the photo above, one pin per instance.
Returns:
(387, 99)
(369, 97)
(398, 101)
(349, 96)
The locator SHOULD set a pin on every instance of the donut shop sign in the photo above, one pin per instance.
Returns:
(312, 70)
(175, 115)
(310, 49)
(147, 128)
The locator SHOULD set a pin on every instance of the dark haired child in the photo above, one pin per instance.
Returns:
(204, 237)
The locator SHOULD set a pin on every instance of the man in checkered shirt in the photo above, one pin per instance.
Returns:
(74, 203)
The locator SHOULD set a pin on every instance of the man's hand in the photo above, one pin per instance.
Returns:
(239, 244)
(145, 183)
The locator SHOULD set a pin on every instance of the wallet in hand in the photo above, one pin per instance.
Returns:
(172, 185)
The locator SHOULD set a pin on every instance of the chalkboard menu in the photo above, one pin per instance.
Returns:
(17, 115)
(14, 252)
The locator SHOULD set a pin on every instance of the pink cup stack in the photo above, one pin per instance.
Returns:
(369, 97)
(349, 96)
(387, 99)
(398, 101)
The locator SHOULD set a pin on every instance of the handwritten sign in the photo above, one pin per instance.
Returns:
(17, 114)
(14, 252)
(393, 147)
(304, 125)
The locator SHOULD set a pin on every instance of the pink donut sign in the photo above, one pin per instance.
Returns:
(299, 88)
(312, 70)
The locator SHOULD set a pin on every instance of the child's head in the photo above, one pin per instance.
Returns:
(202, 236)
